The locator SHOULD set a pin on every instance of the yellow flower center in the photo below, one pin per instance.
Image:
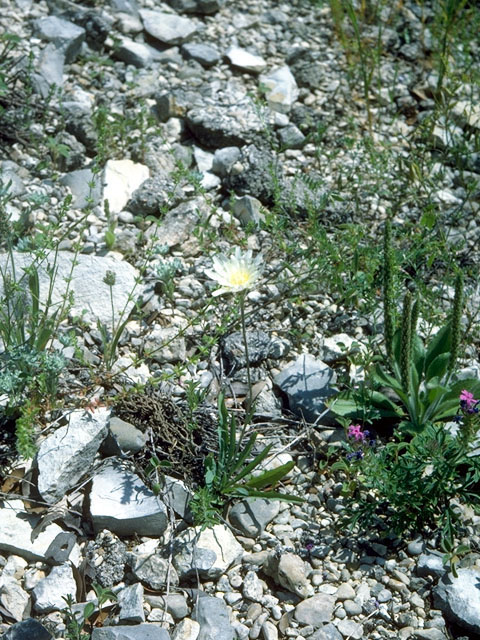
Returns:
(240, 277)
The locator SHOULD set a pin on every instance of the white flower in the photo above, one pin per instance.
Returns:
(235, 274)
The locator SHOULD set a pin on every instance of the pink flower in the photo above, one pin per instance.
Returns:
(467, 400)
(355, 431)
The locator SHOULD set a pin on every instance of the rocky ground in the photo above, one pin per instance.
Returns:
(207, 125)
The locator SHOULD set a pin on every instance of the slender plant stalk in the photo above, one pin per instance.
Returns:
(388, 301)
(456, 322)
(406, 342)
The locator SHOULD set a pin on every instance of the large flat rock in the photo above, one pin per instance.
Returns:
(91, 296)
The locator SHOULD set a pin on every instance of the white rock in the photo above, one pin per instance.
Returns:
(167, 27)
(210, 552)
(48, 594)
(244, 60)
(187, 629)
(87, 277)
(16, 527)
(281, 89)
(120, 179)
(65, 456)
(13, 598)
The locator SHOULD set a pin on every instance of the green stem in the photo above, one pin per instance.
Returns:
(249, 404)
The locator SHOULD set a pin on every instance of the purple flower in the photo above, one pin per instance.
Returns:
(467, 401)
(355, 431)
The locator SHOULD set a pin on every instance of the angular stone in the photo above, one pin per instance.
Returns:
(350, 629)
(135, 53)
(121, 503)
(120, 179)
(28, 629)
(49, 70)
(130, 601)
(204, 7)
(136, 632)
(459, 598)
(307, 382)
(327, 632)
(13, 598)
(248, 210)
(281, 90)
(245, 60)
(289, 571)
(127, 437)
(290, 137)
(252, 515)
(167, 27)
(209, 553)
(315, 610)
(16, 529)
(67, 455)
(65, 35)
(153, 570)
(212, 615)
(187, 629)
(108, 555)
(174, 603)
(204, 54)
(261, 346)
(252, 588)
(87, 276)
(256, 174)
(80, 181)
(175, 494)
(220, 125)
(48, 593)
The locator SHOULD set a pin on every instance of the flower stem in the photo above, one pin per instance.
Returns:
(249, 403)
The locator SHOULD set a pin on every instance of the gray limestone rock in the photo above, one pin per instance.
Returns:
(143, 631)
(209, 553)
(175, 494)
(459, 598)
(65, 35)
(135, 53)
(248, 210)
(124, 437)
(290, 137)
(252, 588)
(28, 629)
(178, 223)
(16, 532)
(130, 601)
(49, 70)
(153, 570)
(251, 516)
(212, 615)
(204, 7)
(261, 346)
(204, 54)
(327, 632)
(75, 155)
(219, 125)
(67, 455)
(121, 503)
(187, 629)
(350, 629)
(174, 603)
(154, 194)
(224, 159)
(120, 180)
(79, 184)
(289, 571)
(428, 634)
(48, 593)
(167, 27)
(108, 555)
(255, 174)
(315, 610)
(430, 564)
(307, 383)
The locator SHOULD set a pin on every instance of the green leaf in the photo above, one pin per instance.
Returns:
(275, 495)
(251, 466)
(88, 610)
(270, 477)
(439, 344)
(438, 366)
(385, 379)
